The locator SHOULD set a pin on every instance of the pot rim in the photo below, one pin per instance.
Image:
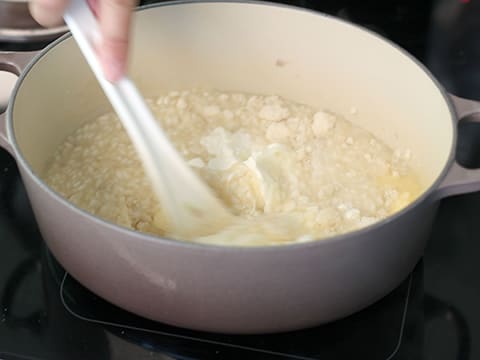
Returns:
(349, 236)
(33, 35)
(14, 1)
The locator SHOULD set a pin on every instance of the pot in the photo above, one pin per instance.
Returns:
(253, 47)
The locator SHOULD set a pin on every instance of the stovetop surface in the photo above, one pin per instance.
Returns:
(434, 314)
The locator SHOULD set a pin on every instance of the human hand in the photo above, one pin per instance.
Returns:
(114, 17)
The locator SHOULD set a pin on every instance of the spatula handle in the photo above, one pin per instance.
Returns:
(136, 117)
(176, 185)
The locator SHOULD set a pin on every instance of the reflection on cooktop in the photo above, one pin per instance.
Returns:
(391, 324)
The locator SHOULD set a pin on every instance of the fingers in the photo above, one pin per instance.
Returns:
(48, 13)
(115, 18)
(93, 4)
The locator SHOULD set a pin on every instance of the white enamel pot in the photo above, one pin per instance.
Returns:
(252, 47)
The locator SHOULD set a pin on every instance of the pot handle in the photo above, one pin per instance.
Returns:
(14, 62)
(460, 180)
(4, 143)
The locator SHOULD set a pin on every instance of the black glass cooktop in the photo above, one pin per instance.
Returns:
(45, 314)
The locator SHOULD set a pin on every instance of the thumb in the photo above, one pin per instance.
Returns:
(48, 13)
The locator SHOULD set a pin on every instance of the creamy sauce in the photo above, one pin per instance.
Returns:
(290, 173)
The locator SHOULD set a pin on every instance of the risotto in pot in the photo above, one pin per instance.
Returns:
(291, 172)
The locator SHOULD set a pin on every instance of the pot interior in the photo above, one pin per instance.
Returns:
(259, 48)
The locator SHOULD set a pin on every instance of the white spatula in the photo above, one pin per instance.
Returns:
(190, 206)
